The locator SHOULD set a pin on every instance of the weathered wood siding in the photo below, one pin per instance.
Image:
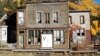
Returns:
(47, 7)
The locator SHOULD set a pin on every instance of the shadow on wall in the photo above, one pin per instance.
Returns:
(11, 23)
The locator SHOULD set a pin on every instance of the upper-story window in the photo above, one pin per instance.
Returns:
(21, 17)
(82, 19)
(47, 17)
(70, 19)
(55, 16)
(39, 17)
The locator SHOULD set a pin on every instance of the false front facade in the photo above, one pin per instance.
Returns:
(43, 25)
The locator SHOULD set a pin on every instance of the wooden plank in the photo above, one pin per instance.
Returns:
(57, 50)
(84, 51)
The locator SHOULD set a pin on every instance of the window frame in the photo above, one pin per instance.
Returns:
(35, 38)
(58, 40)
(47, 17)
(82, 19)
(80, 33)
(31, 41)
(39, 19)
(21, 19)
(70, 19)
(55, 18)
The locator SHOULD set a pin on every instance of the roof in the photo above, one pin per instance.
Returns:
(45, 1)
(72, 11)
(3, 17)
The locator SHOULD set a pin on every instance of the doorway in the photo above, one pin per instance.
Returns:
(47, 39)
(21, 39)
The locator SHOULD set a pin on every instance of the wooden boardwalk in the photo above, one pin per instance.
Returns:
(84, 51)
(40, 50)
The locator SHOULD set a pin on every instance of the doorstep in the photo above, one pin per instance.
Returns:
(46, 48)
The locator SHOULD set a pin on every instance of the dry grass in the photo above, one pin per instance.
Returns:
(10, 53)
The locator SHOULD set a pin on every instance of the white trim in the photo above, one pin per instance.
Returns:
(3, 26)
(4, 17)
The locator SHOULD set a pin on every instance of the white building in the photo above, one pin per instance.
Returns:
(3, 31)
(82, 19)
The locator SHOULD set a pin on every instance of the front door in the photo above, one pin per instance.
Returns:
(46, 41)
(21, 39)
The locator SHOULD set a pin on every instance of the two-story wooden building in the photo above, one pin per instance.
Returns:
(42, 24)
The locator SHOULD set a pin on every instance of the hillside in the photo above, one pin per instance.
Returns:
(85, 5)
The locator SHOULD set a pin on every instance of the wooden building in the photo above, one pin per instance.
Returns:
(42, 24)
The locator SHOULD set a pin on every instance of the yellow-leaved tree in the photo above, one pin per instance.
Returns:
(86, 5)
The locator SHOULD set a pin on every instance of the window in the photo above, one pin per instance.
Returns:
(70, 19)
(80, 36)
(55, 16)
(39, 17)
(31, 37)
(82, 20)
(37, 37)
(81, 32)
(58, 37)
(47, 17)
(34, 37)
(21, 17)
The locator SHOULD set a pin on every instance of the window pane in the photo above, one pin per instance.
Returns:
(77, 31)
(70, 19)
(62, 37)
(62, 33)
(31, 37)
(55, 16)
(58, 34)
(39, 17)
(37, 33)
(21, 17)
(20, 14)
(81, 30)
(21, 20)
(78, 34)
(37, 37)
(83, 34)
(82, 20)
(54, 33)
(47, 17)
